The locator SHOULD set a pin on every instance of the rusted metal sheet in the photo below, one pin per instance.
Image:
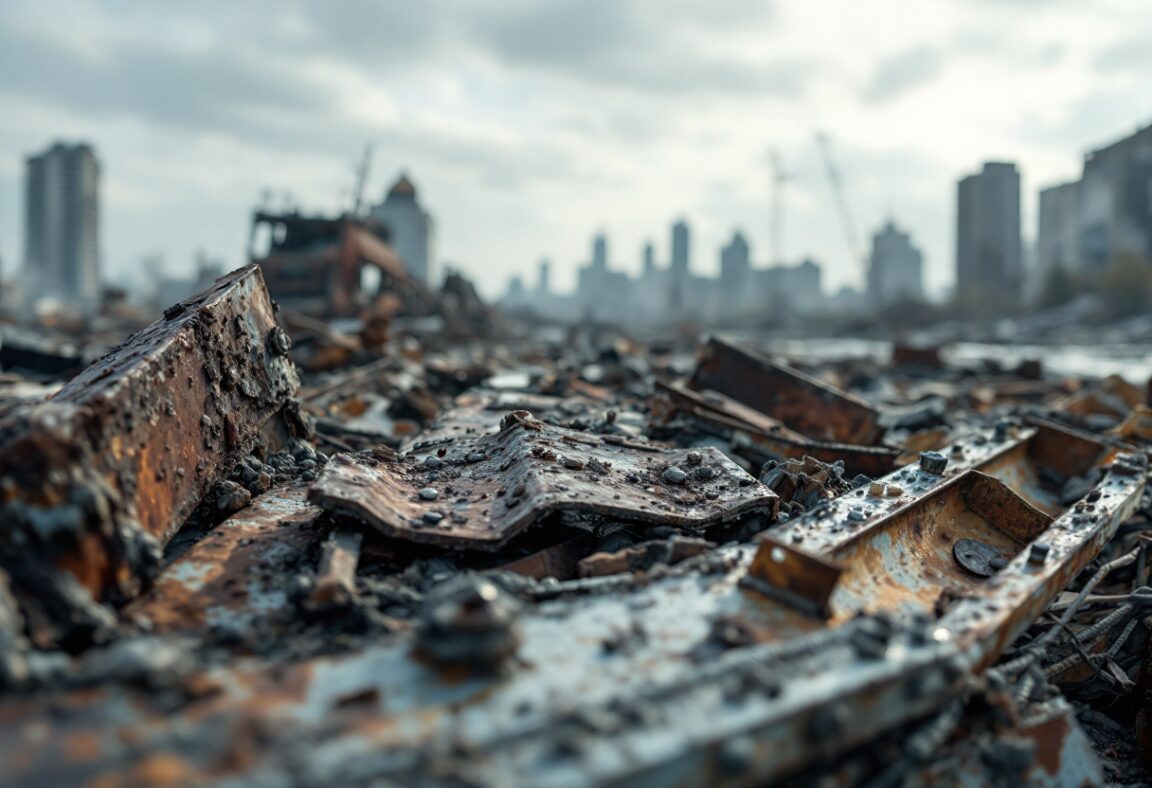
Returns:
(799, 401)
(94, 481)
(754, 433)
(692, 677)
(233, 577)
(1112, 396)
(480, 493)
(335, 583)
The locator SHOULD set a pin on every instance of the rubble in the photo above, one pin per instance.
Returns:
(587, 562)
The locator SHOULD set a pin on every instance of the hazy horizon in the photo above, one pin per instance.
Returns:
(527, 128)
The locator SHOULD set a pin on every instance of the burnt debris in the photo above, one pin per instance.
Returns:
(262, 548)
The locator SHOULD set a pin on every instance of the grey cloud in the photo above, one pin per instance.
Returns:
(226, 89)
(1133, 53)
(645, 48)
(903, 72)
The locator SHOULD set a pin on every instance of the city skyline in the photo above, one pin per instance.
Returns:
(520, 144)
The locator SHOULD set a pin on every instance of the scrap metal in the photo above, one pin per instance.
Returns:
(97, 479)
(799, 401)
(449, 497)
(585, 576)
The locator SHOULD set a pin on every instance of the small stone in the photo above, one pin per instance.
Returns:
(433, 462)
(693, 458)
(433, 518)
(429, 494)
(575, 463)
(474, 456)
(674, 475)
(704, 473)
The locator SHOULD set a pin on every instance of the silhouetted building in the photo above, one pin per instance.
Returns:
(1059, 228)
(1116, 201)
(790, 289)
(678, 292)
(988, 249)
(544, 277)
(62, 225)
(649, 258)
(410, 228)
(895, 268)
(735, 273)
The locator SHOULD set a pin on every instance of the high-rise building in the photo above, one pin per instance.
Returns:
(544, 278)
(735, 269)
(1058, 228)
(678, 295)
(649, 258)
(1116, 201)
(988, 248)
(600, 252)
(62, 225)
(895, 268)
(410, 228)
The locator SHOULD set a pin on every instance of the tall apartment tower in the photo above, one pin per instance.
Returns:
(410, 227)
(62, 225)
(678, 296)
(895, 268)
(988, 249)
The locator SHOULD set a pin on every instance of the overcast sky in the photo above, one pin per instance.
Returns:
(528, 126)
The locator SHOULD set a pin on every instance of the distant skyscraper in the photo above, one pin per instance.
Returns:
(1116, 201)
(988, 254)
(410, 226)
(1058, 228)
(680, 239)
(735, 268)
(62, 224)
(544, 279)
(895, 269)
(649, 258)
(600, 252)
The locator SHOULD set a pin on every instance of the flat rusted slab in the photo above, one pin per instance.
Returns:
(94, 481)
(234, 577)
(482, 492)
(799, 401)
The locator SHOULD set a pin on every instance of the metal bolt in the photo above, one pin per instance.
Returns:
(278, 341)
(1039, 553)
(933, 462)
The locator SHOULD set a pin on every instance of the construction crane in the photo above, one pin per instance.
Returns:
(361, 172)
(824, 145)
(776, 220)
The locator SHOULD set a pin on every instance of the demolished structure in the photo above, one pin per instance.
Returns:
(591, 562)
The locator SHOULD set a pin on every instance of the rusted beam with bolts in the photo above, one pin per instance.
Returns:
(799, 401)
(94, 481)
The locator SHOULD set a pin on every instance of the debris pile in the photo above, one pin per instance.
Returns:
(417, 557)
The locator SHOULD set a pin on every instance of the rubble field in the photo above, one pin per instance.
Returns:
(253, 548)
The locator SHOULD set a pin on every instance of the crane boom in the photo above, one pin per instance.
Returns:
(834, 179)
